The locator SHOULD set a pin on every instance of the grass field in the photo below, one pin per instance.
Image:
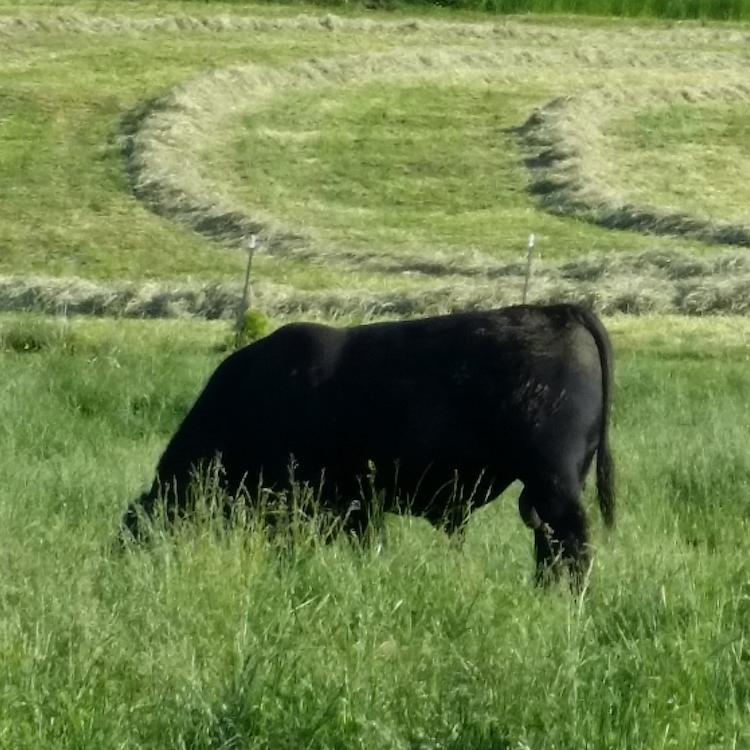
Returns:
(664, 139)
(389, 164)
(208, 642)
(392, 164)
(677, 9)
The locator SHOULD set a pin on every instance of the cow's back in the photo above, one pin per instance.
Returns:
(456, 394)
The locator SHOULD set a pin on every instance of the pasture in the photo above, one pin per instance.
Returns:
(391, 165)
(214, 639)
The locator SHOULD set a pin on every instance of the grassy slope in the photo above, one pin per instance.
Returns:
(69, 96)
(419, 170)
(209, 643)
(205, 643)
(688, 158)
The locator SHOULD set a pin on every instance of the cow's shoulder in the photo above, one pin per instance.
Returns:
(306, 353)
(304, 334)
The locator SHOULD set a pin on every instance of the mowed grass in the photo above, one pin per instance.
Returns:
(214, 639)
(686, 158)
(68, 101)
(416, 170)
(392, 165)
(395, 166)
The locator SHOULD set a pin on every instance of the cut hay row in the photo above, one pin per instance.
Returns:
(169, 142)
(563, 138)
(192, 117)
(646, 283)
(222, 23)
(566, 147)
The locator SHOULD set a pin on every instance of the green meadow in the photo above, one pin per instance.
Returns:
(392, 162)
(213, 638)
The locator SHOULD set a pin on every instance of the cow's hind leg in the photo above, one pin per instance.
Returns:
(554, 511)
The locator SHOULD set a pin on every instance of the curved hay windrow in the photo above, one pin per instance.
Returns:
(566, 147)
(564, 140)
(169, 141)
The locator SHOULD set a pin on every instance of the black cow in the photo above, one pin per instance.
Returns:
(449, 410)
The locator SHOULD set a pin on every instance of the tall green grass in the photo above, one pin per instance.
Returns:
(213, 639)
(722, 10)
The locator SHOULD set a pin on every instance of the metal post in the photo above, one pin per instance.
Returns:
(247, 290)
(532, 240)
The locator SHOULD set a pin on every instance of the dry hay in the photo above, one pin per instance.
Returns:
(651, 282)
(588, 41)
(565, 145)
(164, 141)
(167, 138)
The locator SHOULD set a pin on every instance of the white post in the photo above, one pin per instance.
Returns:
(532, 240)
(247, 290)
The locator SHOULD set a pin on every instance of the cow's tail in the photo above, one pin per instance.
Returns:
(605, 467)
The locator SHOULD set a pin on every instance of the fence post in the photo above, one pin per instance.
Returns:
(246, 292)
(532, 240)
